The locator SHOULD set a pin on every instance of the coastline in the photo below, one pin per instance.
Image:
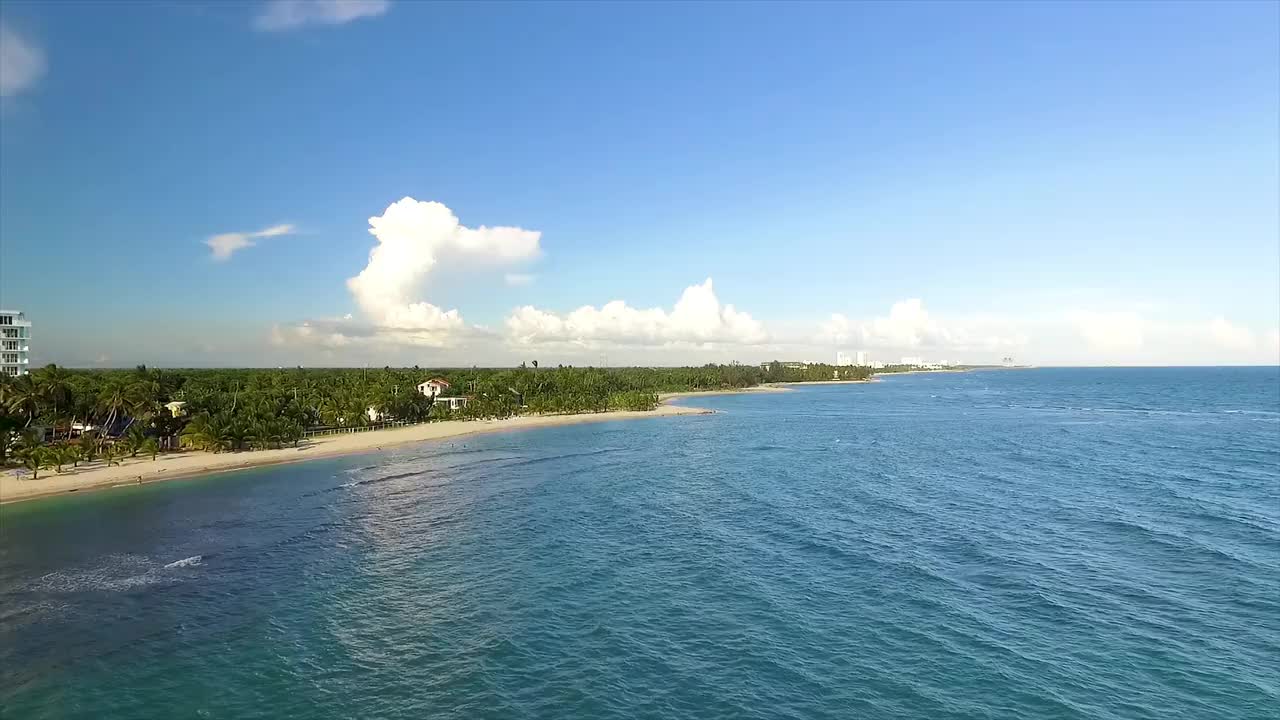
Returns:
(196, 463)
(766, 388)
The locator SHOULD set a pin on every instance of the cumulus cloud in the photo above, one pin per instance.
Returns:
(837, 330)
(349, 332)
(279, 15)
(910, 326)
(1231, 337)
(1131, 336)
(698, 317)
(224, 245)
(412, 237)
(21, 62)
(308, 333)
(907, 325)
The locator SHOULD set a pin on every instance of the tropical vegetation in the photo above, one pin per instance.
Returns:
(57, 416)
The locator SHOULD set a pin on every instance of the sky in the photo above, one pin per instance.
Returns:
(381, 182)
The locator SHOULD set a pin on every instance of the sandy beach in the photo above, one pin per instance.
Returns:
(767, 388)
(16, 486)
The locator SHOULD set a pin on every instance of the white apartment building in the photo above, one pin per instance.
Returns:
(15, 343)
(912, 361)
(844, 359)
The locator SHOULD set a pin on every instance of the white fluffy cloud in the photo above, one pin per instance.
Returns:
(1231, 337)
(21, 62)
(412, 237)
(909, 326)
(278, 15)
(225, 245)
(837, 330)
(698, 317)
(1131, 336)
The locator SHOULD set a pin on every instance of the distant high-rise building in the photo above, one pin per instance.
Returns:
(843, 359)
(15, 343)
(912, 361)
(860, 358)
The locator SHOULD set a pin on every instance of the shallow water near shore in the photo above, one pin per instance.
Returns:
(1083, 543)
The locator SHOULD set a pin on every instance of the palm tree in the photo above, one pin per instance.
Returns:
(151, 447)
(144, 397)
(34, 458)
(24, 398)
(88, 446)
(207, 432)
(63, 454)
(292, 431)
(114, 400)
(133, 439)
(239, 434)
(55, 389)
(268, 433)
(109, 455)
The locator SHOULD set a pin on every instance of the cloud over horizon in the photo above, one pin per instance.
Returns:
(414, 238)
(224, 245)
(909, 326)
(1128, 336)
(22, 63)
(282, 15)
(698, 317)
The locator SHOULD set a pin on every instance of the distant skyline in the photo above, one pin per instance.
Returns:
(351, 182)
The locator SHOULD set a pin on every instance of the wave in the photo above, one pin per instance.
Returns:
(563, 456)
(388, 478)
(192, 561)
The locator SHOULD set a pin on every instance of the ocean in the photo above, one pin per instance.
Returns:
(1052, 543)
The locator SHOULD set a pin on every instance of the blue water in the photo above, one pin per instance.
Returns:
(1022, 544)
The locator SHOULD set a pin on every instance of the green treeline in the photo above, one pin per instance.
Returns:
(233, 409)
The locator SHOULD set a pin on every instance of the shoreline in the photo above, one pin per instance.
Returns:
(197, 463)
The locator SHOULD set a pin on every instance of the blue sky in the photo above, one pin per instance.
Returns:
(1083, 183)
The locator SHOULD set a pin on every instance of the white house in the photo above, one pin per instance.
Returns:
(454, 403)
(434, 387)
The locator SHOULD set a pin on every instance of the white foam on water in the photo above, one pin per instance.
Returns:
(185, 562)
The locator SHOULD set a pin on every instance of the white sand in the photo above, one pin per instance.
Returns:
(17, 485)
(766, 388)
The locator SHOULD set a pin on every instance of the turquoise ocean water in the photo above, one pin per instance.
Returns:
(1026, 544)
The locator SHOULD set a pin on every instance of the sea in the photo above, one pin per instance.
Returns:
(1044, 543)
